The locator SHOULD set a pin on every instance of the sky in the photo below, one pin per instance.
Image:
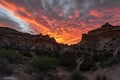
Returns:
(65, 20)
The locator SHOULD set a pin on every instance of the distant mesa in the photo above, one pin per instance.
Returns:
(105, 32)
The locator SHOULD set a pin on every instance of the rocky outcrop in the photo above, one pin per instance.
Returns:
(10, 38)
(97, 55)
(100, 47)
(105, 38)
(105, 32)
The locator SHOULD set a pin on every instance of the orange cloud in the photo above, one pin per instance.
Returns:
(95, 13)
(62, 34)
(67, 31)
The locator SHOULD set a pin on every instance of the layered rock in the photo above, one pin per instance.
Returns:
(102, 40)
(105, 32)
(10, 38)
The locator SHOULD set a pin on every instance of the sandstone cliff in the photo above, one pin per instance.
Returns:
(105, 32)
(10, 38)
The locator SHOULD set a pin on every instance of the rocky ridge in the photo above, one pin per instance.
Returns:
(105, 32)
(10, 38)
(96, 57)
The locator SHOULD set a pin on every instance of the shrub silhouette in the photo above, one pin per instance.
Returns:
(76, 75)
(87, 65)
(43, 63)
(12, 56)
(68, 60)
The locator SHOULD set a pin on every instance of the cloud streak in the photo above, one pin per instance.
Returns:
(65, 20)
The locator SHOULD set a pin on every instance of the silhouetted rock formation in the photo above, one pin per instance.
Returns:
(98, 55)
(100, 49)
(11, 38)
(106, 31)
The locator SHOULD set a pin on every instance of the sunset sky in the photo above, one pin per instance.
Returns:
(65, 20)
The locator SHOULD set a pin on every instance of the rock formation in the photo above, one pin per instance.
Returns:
(10, 38)
(106, 31)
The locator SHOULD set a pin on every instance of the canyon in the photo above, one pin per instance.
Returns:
(96, 56)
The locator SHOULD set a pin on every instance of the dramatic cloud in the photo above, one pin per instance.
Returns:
(65, 20)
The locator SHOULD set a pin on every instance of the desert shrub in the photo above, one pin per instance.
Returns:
(27, 54)
(11, 55)
(118, 54)
(68, 60)
(76, 75)
(17, 57)
(106, 56)
(5, 67)
(113, 60)
(87, 65)
(96, 57)
(43, 63)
